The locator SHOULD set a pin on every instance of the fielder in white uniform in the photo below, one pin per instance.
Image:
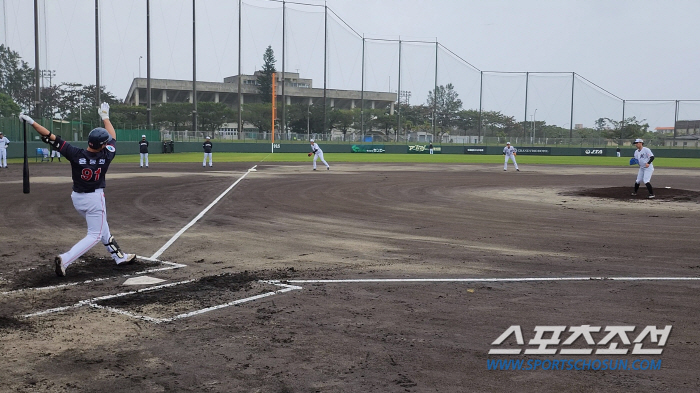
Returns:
(644, 157)
(88, 167)
(318, 153)
(3, 150)
(509, 151)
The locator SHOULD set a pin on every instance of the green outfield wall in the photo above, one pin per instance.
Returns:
(15, 149)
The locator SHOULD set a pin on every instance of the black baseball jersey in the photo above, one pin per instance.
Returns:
(88, 169)
(207, 147)
(143, 146)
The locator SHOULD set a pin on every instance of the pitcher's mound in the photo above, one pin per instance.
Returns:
(624, 194)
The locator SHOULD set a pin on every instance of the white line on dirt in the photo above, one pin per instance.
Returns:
(106, 297)
(171, 266)
(199, 216)
(518, 279)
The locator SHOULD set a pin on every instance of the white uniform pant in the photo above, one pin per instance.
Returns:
(144, 156)
(644, 174)
(92, 207)
(204, 163)
(512, 157)
(618, 154)
(319, 155)
(55, 153)
(3, 158)
(431, 151)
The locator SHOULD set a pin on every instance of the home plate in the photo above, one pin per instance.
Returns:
(142, 280)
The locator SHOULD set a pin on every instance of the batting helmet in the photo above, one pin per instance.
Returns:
(98, 138)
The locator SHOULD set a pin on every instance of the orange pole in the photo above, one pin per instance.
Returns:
(274, 107)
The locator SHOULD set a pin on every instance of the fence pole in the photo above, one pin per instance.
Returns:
(527, 82)
(571, 119)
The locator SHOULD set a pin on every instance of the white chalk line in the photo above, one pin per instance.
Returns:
(171, 266)
(199, 216)
(514, 279)
(105, 297)
(93, 303)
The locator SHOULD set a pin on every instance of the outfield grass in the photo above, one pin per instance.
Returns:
(398, 158)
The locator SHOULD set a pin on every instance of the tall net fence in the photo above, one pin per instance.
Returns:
(340, 84)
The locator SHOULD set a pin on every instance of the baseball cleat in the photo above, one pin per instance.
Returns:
(518, 170)
(634, 194)
(328, 168)
(60, 270)
(504, 170)
(314, 168)
(128, 259)
(651, 196)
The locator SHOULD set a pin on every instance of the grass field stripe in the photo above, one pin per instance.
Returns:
(199, 216)
(521, 279)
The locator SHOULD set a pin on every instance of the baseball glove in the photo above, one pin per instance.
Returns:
(309, 154)
(633, 161)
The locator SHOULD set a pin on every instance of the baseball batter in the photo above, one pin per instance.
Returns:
(89, 168)
(318, 154)
(207, 152)
(3, 150)
(644, 157)
(510, 152)
(143, 151)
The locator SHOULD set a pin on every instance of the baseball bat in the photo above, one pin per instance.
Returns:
(25, 175)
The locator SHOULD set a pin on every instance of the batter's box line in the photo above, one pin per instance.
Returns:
(171, 266)
(477, 280)
(93, 302)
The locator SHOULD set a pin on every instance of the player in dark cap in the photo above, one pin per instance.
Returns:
(89, 167)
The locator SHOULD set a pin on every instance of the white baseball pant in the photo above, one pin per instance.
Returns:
(644, 174)
(512, 157)
(143, 156)
(92, 207)
(204, 163)
(55, 153)
(3, 158)
(320, 156)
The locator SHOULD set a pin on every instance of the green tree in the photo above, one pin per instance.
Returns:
(446, 103)
(211, 115)
(16, 78)
(630, 128)
(8, 107)
(265, 76)
(259, 115)
(172, 114)
(342, 119)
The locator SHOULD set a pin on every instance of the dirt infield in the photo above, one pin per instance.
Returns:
(250, 320)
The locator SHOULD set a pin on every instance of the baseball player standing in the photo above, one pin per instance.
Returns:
(510, 153)
(143, 151)
(318, 153)
(430, 147)
(207, 152)
(3, 150)
(644, 157)
(89, 167)
(55, 152)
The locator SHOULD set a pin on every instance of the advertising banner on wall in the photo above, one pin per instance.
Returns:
(368, 148)
(534, 151)
(474, 149)
(593, 152)
(423, 149)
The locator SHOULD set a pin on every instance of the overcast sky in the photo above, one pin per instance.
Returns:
(633, 49)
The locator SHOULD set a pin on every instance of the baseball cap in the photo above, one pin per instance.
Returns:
(507, 143)
(208, 137)
(311, 140)
(143, 136)
(639, 140)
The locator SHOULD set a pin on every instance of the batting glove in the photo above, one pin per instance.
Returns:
(26, 118)
(104, 111)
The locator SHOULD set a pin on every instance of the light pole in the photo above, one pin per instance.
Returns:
(140, 57)
(533, 125)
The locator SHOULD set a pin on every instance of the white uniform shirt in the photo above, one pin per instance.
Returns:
(509, 150)
(315, 149)
(4, 142)
(643, 156)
